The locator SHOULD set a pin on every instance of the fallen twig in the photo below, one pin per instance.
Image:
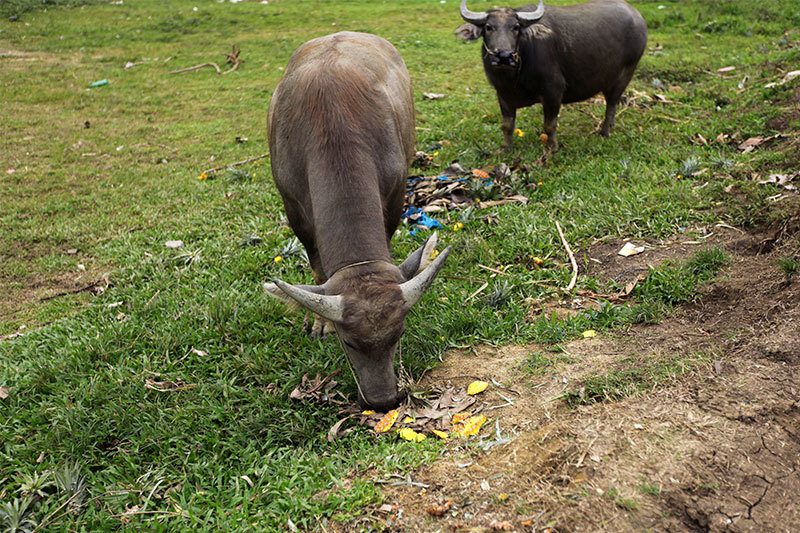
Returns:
(238, 163)
(187, 69)
(75, 291)
(490, 269)
(477, 292)
(571, 258)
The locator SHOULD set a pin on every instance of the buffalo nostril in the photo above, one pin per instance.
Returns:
(505, 55)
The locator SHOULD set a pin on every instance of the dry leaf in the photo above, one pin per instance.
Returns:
(501, 526)
(438, 510)
(4, 393)
(336, 431)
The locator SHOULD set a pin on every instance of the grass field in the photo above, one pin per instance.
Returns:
(95, 180)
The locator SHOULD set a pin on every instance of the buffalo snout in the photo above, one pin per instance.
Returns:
(382, 404)
(504, 58)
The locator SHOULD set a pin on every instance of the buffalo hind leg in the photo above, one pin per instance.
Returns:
(612, 102)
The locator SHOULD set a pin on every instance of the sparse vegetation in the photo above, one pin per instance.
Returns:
(632, 377)
(789, 265)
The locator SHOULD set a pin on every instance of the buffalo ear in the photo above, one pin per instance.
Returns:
(469, 31)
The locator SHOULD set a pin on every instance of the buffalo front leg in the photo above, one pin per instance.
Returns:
(322, 327)
(551, 109)
(509, 118)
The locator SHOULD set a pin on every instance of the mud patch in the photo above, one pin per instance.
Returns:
(715, 447)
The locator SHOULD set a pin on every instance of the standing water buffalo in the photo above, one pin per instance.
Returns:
(341, 136)
(557, 55)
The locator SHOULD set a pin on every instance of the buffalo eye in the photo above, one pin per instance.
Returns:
(489, 27)
(516, 27)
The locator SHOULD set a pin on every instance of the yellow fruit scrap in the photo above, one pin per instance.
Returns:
(410, 435)
(408, 420)
(481, 174)
(543, 137)
(368, 412)
(470, 427)
(440, 434)
(460, 417)
(476, 387)
(589, 333)
(538, 260)
(386, 423)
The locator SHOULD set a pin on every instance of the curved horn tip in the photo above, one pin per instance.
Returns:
(532, 16)
(471, 16)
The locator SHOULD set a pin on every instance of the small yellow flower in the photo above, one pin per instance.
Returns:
(678, 176)
(436, 152)
(277, 259)
(537, 260)
(502, 497)
(202, 176)
(541, 183)
(440, 434)
(434, 254)
(519, 133)
(457, 226)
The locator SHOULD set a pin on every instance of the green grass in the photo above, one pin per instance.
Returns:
(112, 172)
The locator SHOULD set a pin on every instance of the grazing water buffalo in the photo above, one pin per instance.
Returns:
(341, 136)
(557, 55)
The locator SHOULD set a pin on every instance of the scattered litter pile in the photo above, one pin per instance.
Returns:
(443, 413)
(457, 188)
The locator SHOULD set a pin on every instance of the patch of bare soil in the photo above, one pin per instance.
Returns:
(714, 449)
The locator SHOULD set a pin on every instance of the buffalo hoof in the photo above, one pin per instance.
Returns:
(322, 328)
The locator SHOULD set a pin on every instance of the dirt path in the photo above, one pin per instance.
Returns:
(716, 448)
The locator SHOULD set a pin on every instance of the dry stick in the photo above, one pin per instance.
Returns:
(474, 294)
(219, 71)
(238, 163)
(490, 269)
(571, 258)
(73, 291)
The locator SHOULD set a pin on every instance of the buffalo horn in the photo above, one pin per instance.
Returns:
(414, 288)
(330, 307)
(471, 16)
(531, 16)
